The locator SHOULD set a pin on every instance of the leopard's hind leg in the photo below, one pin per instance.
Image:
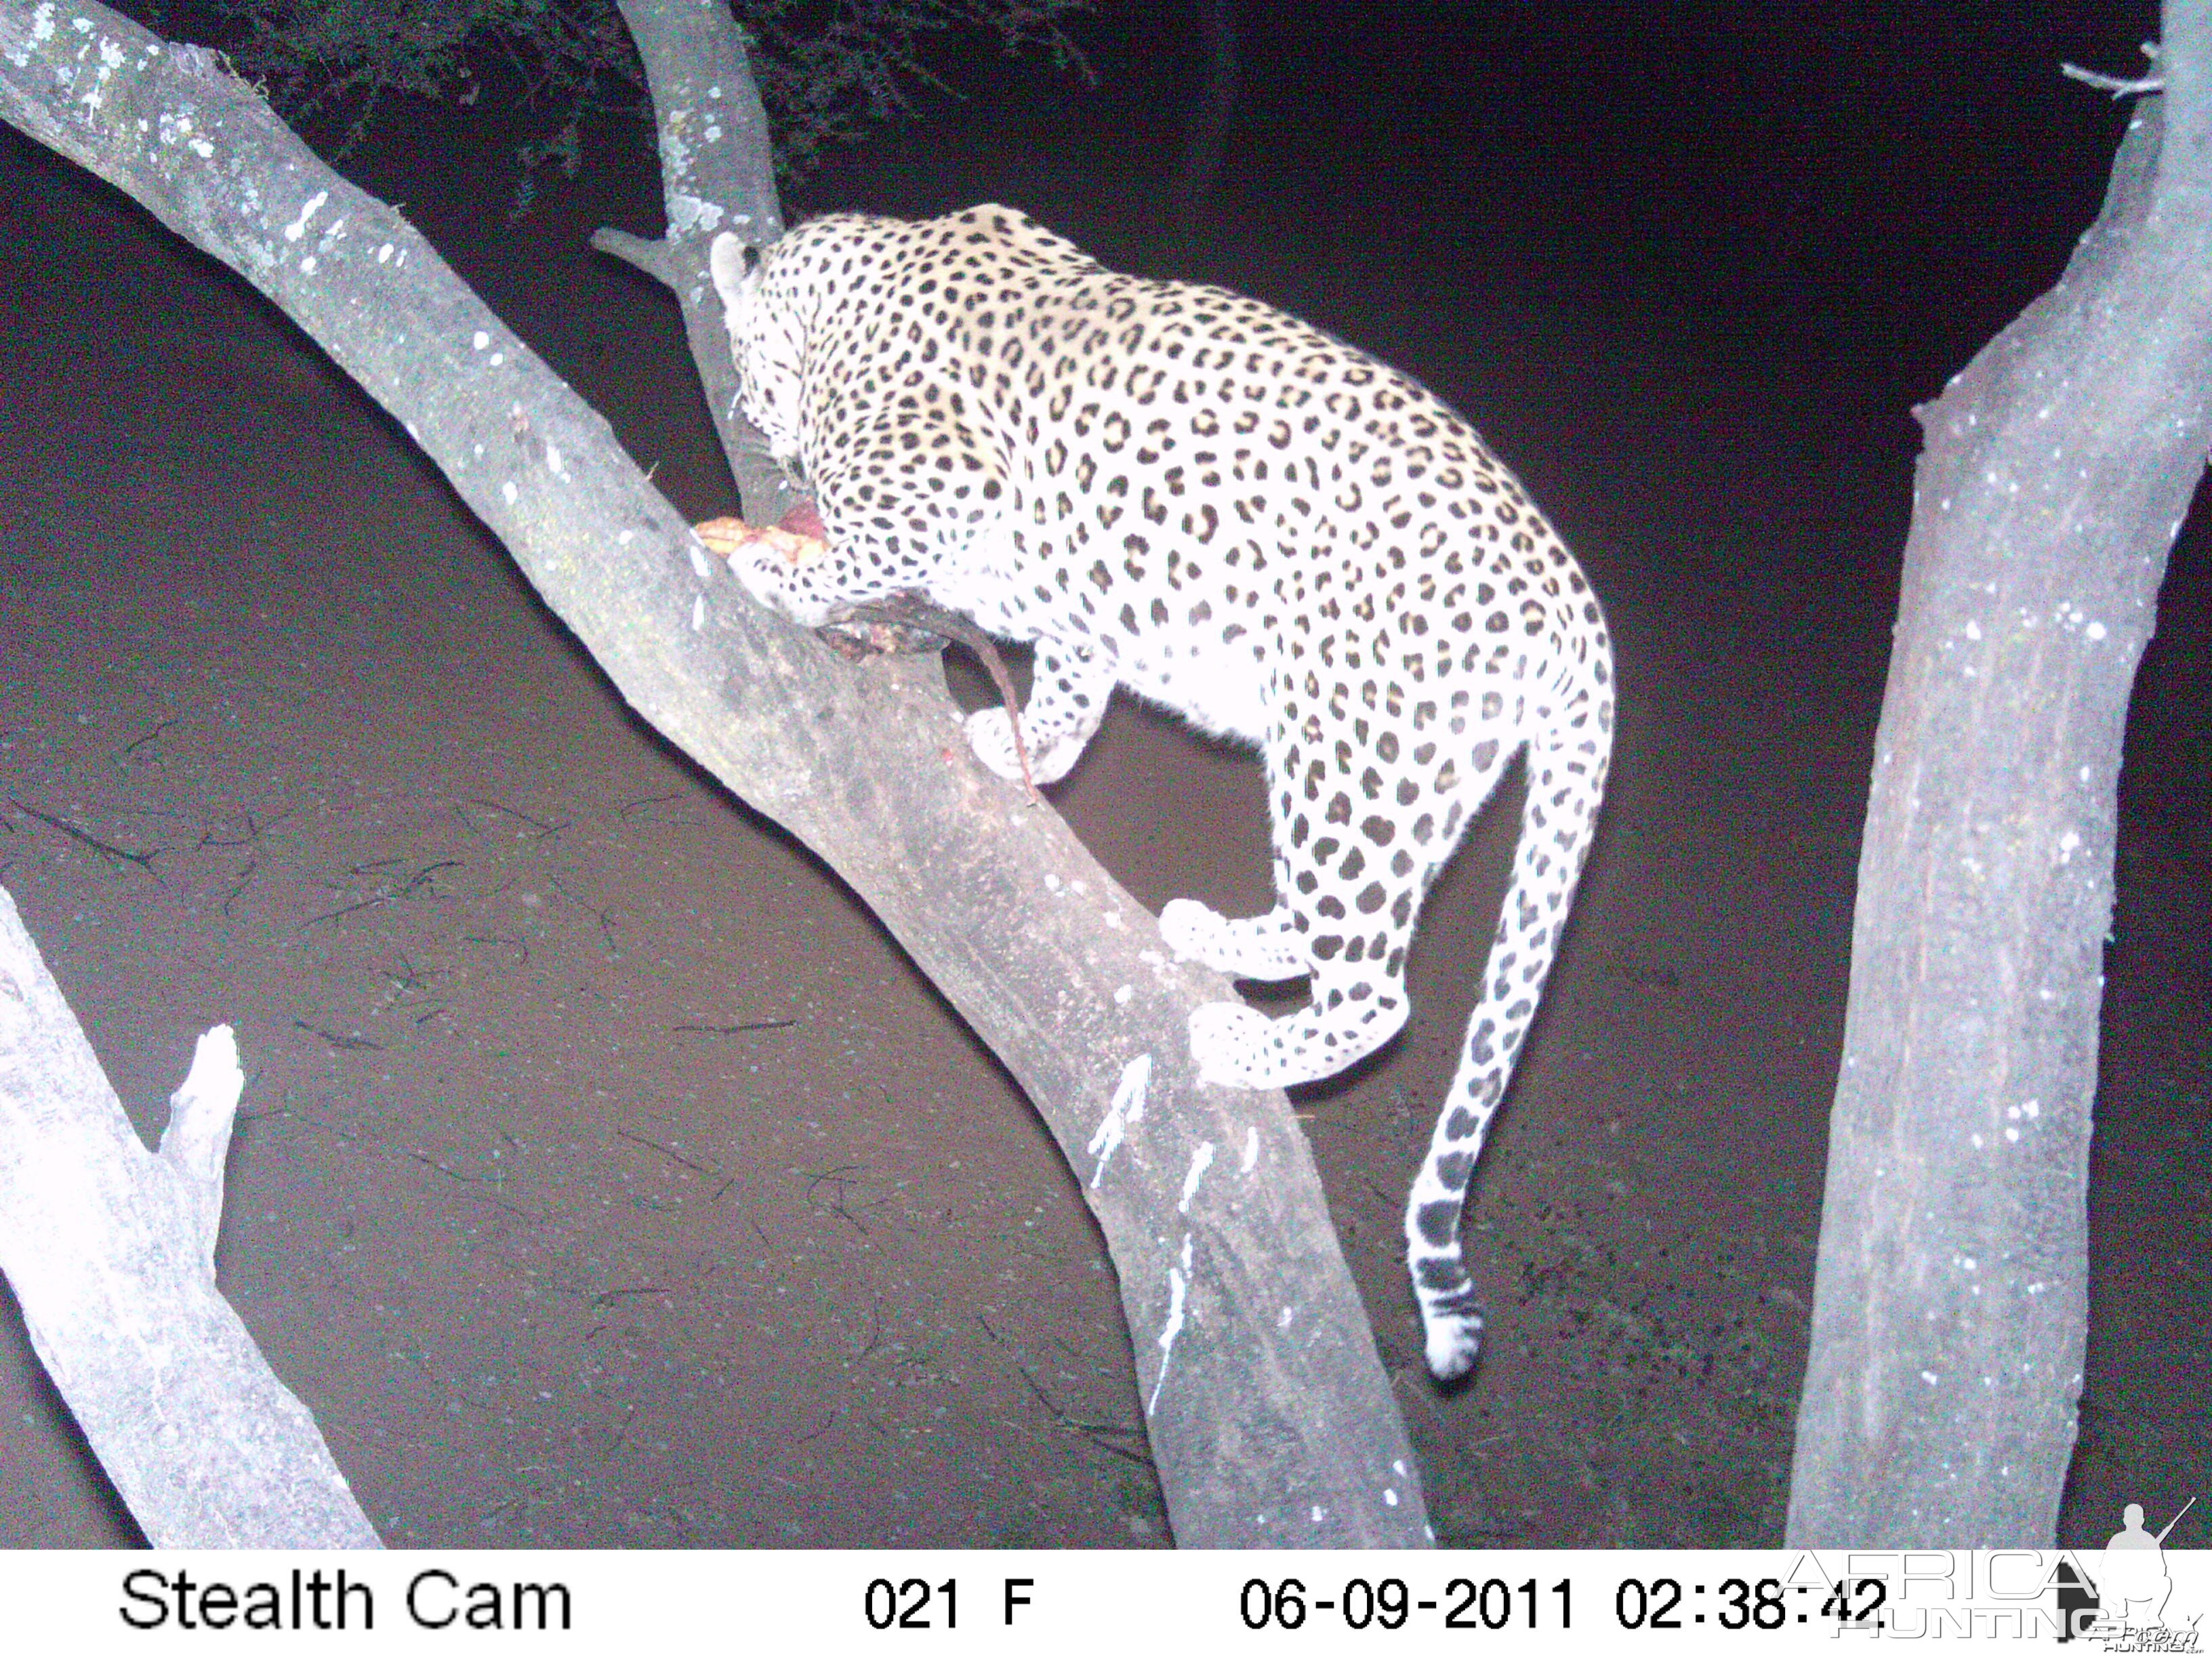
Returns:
(1358, 837)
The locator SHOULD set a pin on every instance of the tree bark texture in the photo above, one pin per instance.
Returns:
(1206, 138)
(717, 173)
(110, 1250)
(1950, 1307)
(1271, 1418)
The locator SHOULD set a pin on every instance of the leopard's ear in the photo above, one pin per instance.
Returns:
(730, 261)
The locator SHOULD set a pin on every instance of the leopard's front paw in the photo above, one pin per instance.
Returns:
(991, 735)
(768, 561)
(1193, 930)
(1234, 1045)
(1258, 948)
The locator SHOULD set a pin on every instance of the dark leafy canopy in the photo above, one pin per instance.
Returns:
(829, 69)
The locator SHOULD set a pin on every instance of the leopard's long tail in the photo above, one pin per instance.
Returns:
(1566, 761)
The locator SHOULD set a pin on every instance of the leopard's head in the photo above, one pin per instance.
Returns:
(766, 341)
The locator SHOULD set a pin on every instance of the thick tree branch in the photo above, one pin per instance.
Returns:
(1270, 1419)
(717, 173)
(110, 1249)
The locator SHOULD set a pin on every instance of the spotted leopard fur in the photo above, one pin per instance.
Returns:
(1185, 492)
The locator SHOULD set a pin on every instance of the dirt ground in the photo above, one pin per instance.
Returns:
(607, 1178)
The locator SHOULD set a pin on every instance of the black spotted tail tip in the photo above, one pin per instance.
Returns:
(1454, 1342)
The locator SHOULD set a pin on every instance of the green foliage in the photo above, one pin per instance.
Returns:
(828, 71)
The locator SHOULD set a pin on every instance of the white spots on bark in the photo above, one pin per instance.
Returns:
(176, 129)
(509, 493)
(111, 59)
(1122, 993)
(308, 209)
(42, 30)
(1251, 1149)
(1200, 1160)
(692, 213)
(698, 612)
(675, 148)
(1126, 1110)
(701, 567)
(2071, 614)
(1178, 1291)
(2069, 844)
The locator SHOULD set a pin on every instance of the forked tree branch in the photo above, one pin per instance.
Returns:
(110, 1249)
(1271, 1420)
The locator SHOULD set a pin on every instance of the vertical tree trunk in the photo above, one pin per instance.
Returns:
(1192, 188)
(1950, 1309)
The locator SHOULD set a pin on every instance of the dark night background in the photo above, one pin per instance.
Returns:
(1687, 268)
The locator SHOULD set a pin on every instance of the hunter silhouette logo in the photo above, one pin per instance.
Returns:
(2121, 1601)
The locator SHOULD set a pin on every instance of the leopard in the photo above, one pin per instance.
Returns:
(1177, 490)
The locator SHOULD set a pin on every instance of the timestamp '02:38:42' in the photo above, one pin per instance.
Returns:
(1744, 1604)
